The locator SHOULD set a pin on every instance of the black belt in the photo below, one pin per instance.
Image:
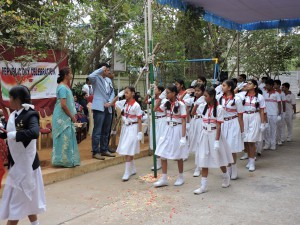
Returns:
(250, 112)
(212, 128)
(158, 117)
(230, 118)
(173, 124)
(130, 123)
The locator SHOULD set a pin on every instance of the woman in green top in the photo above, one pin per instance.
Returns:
(65, 149)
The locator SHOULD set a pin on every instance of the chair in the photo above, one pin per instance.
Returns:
(144, 128)
(45, 129)
(48, 113)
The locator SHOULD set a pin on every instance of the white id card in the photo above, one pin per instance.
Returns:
(126, 122)
(208, 127)
(171, 123)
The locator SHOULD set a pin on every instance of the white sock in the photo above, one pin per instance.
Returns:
(225, 174)
(133, 163)
(228, 169)
(164, 176)
(180, 175)
(35, 222)
(127, 166)
(203, 182)
(252, 160)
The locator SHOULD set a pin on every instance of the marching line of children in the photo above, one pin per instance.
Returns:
(220, 126)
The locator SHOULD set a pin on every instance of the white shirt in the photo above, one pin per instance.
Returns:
(261, 86)
(290, 102)
(272, 98)
(190, 101)
(209, 117)
(250, 102)
(219, 89)
(282, 95)
(131, 111)
(160, 112)
(229, 109)
(201, 105)
(171, 115)
(87, 89)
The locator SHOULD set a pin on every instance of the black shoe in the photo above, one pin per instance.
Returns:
(108, 154)
(111, 151)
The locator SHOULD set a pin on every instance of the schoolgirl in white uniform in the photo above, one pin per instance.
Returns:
(290, 111)
(213, 150)
(23, 194)
(173, 145)
(273, 110)
(253, 119)
(182, 94)
(280, 123)
(233, 127)
(131, 132)
(196, 122)
(160, 120)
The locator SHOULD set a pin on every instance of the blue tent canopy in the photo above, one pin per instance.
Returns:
(245, 14)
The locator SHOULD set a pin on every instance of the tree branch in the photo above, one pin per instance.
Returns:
(95, 52)
(45, 76)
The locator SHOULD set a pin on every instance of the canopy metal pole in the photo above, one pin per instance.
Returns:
(146, 62)
(238, 53)
(151, 61)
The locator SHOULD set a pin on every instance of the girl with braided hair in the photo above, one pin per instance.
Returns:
(172, 144)
(233, 127)
(196, 103)
(213, 150)
(253, 118)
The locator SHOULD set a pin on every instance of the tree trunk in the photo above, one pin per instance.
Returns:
(86, 68)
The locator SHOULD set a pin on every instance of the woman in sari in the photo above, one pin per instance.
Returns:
(65, 150)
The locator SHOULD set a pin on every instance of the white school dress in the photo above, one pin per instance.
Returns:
(196, 124)
(160, 124)
(23, 193)
(189, 103)
(206, 155)
(131, 112)
(251, 117)
(169, 144)
(231, 128)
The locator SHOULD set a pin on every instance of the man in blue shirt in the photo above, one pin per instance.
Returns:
(102, 111)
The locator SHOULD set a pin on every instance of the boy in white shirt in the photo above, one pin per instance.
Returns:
(280, 124)
(273, 110)
(290, 110)
(87, 87)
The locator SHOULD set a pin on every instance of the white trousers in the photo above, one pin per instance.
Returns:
(288, 123)
(280, 131)
(270, 134)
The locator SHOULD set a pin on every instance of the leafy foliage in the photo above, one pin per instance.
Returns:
(91, 30)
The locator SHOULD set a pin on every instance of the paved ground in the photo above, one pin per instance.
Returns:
(270, 195)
